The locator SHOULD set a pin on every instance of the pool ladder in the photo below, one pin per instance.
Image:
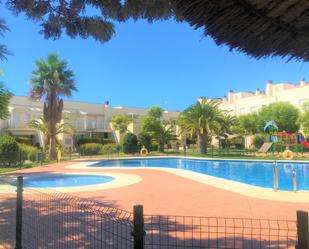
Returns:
(276, 177)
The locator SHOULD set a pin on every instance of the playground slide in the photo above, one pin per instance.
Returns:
(265, 147)
(305, 143)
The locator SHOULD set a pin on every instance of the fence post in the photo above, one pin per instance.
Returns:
(302, 230)
(138, 226)
(19, 213)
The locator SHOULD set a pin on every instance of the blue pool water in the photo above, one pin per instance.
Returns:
(254, 173)
(53, 181)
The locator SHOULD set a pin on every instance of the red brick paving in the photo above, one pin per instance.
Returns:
(167, 194)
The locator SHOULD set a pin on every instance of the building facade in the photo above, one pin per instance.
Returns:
(245, 102)
(88, 119)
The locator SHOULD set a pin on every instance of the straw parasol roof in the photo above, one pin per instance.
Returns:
(258, 28)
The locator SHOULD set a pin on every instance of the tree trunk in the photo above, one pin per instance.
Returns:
(52, 113)
(161, 147)
(202, 143)
(52, 148)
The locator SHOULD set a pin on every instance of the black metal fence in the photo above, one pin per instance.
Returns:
(49, 219)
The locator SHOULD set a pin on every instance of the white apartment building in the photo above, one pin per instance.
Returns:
(246, 102)
(88, 119)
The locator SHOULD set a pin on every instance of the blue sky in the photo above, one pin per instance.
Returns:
(164, 63)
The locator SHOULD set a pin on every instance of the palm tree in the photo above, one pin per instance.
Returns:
(163, 135)
(3, 49)
(51, 80)
(63, 127)
(202, 119)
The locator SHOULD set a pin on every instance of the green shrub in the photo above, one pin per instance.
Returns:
(278, 147)
(258, 141)
(144, 139)
(90, 149)
(111, 148)
(28, 152)
(9, 151)
(87, 140)
(25, 139)
(129, 143)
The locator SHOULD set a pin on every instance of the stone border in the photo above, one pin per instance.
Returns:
(120, 180)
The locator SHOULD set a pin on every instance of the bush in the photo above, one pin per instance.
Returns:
(87, 140)
(278, 147)
(129, 143)
(90, 149)
(28, 152)
(9, 151)
(144, 139)
(111, 148)
(258, 141)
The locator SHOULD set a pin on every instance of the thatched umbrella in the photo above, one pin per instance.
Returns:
(257, 27)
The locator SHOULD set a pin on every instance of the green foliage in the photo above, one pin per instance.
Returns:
(259, 140)
(51, 80)
(129, 143)
(86, 140)
(144, 139)
(5, 96)
(9, 150)
(28, 152)
(284, 114)
(247, 124)
(304, 118)
(90, 149)
(71, 17)
(52, 76)
(155, 112)
(24, 139)
(160, 131)
(3, 49)
(111, 148)
(203, 119)
(120, 123)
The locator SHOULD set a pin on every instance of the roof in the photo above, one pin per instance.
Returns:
(258, 28)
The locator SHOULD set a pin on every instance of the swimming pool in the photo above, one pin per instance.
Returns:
(62, 180)
(256, 173)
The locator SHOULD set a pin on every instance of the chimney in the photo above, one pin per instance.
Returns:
(106, 104)
(269, 88)
(230, 97)
(303, 82)
(257, 91)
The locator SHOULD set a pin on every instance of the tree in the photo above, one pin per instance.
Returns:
(5, 96)
(40, 124)
(304, 118)
(120, 123)
(248, 123)
(3, 49)
(164, 135)
(202, 119)
(155, 112)
(161, 131)
(144, 139)
(52, 79)
(284, 114)
(72, 16)
(129, 143)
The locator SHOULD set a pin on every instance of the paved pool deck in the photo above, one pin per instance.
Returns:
(167, 193)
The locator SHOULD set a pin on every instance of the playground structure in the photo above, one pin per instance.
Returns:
(283, 138)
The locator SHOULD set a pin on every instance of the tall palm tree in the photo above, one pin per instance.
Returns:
(52, 79)
(202, 119)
